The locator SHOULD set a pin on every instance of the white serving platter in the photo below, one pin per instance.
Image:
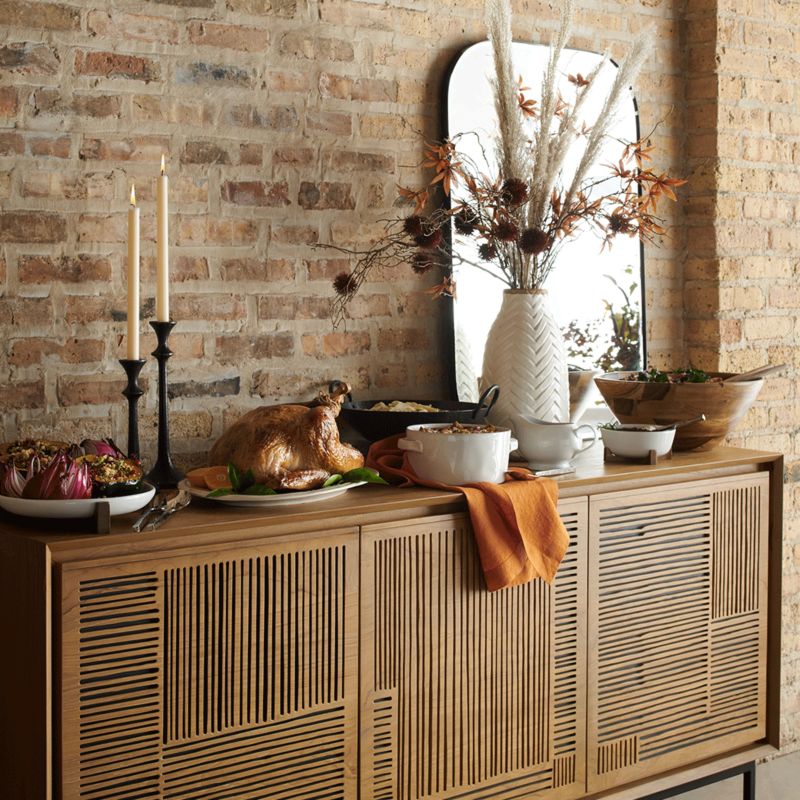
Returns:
(77, 509)
(270, 500)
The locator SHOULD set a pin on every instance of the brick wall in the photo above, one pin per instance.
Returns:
(742, 296)
(288, 122)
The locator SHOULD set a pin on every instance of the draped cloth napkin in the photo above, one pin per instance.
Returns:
(517, 529)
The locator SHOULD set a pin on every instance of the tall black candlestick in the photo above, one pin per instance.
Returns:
(132, 367)
(165, 475)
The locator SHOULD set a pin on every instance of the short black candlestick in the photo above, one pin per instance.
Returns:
(165, 475)
(132, 367)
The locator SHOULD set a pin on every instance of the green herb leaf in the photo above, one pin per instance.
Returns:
(258, 489)
(363, 474)
(234, 476)
(219, 493)
(333, 480)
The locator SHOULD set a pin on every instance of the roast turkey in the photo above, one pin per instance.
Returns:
(289, 446)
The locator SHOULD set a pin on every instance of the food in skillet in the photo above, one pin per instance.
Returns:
(402, 405)
(289, 446)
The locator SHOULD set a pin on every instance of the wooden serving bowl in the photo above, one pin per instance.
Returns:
(724, 404)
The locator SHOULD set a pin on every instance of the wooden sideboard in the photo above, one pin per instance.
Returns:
(350, 650)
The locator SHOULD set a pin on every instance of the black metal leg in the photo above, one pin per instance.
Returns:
(749, 783)
(747, 771)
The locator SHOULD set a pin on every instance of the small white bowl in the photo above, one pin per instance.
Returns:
(630, 441)
(459, 458)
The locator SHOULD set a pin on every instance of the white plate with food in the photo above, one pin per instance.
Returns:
(77, 509)
(286, 498)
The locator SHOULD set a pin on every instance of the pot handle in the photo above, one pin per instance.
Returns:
(410, 444)
(334, 385)
(488, 398)
(587, 444)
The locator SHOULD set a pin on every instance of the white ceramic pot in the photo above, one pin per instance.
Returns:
(628, 442)
(525, 356)
(551, 445)
(458, 458)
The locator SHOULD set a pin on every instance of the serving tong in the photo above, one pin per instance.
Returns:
(161, 509)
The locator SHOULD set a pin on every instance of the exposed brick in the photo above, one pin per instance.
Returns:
(256, 193)
(353, 161)
(81, 310)
(116, 65)
(26, 312)
(26, 352)
(305, 45)
(51, 146)
(234, 37)
(29, 58)
(292, 306)
(11, 144)
(278, 8)
(28, 226)
(204, 153)
(220, 387)
(296, 156)
(325, 195)
(274, 118)
(9, 101)
(66, 269)
(340, 343)
(251, 154)
(181, 268)
(140, 148)
(205, 231)
(207, 306)
(326, 269)
(254, 269)
(214, 74)
(22, 394)
(50, 16)
(329, 122)
(90, 389)
(264, 345)
(294, 234)
(145, 28)
(400, 340)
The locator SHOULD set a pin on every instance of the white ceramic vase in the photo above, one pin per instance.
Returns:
(525, 356)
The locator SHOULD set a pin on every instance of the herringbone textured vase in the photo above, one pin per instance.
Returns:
(525, 356)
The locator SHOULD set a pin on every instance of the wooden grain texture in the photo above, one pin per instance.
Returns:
(213, 675)
(467, 693)
(25, 670)
(723, 404)
(678, 599)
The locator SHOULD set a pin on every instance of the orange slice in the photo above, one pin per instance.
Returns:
(204, 477)
(217, 478)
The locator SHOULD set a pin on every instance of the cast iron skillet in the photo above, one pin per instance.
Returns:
(374, 425)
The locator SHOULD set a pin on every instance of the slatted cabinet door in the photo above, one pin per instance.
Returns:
(222, 675)
(468, 694)
(678, 625)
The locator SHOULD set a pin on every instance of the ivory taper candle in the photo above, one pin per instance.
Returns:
(133, 277)
(162, 246)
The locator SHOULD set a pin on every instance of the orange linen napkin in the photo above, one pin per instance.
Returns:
(519, 533)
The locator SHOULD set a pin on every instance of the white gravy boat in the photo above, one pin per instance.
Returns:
(550, 445)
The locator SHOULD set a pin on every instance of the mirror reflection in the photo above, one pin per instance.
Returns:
(596, 289)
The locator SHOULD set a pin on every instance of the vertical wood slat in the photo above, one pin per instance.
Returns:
(679, 625)
(178, 658)
(468, 675)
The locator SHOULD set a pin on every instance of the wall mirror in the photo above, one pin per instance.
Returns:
(596, 293)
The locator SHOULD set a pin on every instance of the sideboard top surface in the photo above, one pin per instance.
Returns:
(205, 523)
